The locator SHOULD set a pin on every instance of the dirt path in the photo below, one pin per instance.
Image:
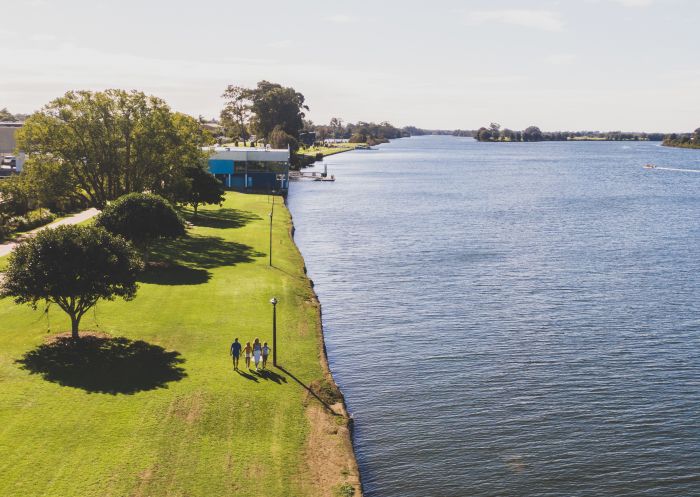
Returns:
(78, 218)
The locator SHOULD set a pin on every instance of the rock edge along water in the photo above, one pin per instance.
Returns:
(339, 408)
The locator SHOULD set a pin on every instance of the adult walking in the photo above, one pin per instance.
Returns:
(257, 352)
(248, 350)
(235, 353)
(265, 354)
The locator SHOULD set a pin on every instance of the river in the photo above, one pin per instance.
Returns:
(512, 319)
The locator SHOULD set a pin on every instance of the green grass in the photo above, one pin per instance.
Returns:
(213, 432)
(326, 151)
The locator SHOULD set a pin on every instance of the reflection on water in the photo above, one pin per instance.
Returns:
(512, 319)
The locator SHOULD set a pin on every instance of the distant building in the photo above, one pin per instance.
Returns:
(9, 164)
(7, 137)
(251, 169)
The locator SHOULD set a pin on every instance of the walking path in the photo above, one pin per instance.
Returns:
(78, 218)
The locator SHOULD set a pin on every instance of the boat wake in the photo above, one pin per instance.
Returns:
(673, 169)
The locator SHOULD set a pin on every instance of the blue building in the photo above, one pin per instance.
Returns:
(251, 169)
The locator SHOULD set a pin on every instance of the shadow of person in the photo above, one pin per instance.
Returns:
(101, 364)
(247, 376)
(267, 374)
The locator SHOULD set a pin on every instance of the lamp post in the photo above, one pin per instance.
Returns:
(273, 301)
(272, 212)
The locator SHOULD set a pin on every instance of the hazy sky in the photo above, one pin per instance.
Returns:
(569, 64)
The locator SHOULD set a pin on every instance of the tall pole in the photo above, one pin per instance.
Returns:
(273, 301)
(271, 214)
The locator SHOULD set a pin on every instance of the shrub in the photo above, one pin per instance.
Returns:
(33, 219)
(344, 490)
(142, 218)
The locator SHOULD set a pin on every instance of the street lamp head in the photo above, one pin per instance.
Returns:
(273, 301)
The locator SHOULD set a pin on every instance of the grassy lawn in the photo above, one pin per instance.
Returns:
(183, 423)
(326, 151)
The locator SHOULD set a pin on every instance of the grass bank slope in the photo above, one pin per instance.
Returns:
(160, 412)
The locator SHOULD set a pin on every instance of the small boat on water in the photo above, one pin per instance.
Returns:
(649, 166)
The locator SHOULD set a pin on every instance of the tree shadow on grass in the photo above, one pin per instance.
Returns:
(224, 218)
(104, 365)
(174, 275)
(205, 252)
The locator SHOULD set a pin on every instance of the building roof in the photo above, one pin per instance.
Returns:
(249, 154)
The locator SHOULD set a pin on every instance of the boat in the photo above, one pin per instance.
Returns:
(649, 166)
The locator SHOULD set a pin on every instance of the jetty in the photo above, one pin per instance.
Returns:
(311, 175)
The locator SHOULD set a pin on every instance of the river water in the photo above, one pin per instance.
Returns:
(512, 319)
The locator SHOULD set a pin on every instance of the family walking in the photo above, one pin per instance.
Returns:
(257, 350)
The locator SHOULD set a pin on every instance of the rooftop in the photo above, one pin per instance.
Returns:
(245, 149)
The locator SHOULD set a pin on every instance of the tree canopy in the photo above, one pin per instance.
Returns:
(236, 113)
(275, 105)
(201, 187)
(114, 142)
(73, 267)
(141, 218)
(6, 115)
(262, 109)
(684, 140)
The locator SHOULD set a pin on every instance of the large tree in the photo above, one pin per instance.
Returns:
(235, 116)
(201, 187)
(73, 267)
(275, 105)
(532, 134)
(115, 142)
(141, 218)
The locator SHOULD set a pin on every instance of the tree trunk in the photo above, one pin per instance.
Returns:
(74, 322)
(195, 205)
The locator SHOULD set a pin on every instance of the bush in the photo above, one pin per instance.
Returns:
(141, 218)
(33, 219)
(344, 490)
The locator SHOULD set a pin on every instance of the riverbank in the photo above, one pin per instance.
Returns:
(688, 145)
(201, 429)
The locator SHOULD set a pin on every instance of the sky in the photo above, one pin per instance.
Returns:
(442, 64)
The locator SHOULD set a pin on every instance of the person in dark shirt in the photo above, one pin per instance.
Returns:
(265, 354)
(235, 353)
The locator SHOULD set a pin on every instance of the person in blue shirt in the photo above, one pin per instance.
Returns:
(235, 353)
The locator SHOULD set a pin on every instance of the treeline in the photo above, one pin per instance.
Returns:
(683, 140)
(8, 117)
(360, 132)
(495, 133)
